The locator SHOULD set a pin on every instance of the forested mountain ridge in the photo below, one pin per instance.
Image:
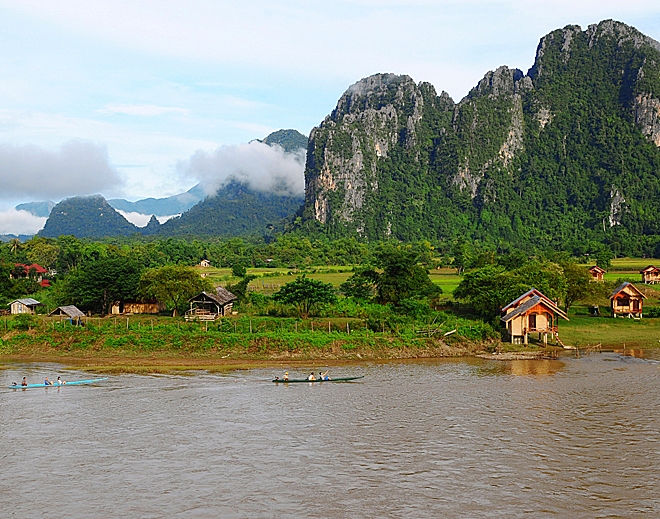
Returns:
(86, 217)
(565, 156)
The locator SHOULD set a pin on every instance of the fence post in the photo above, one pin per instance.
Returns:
(127, 323)
(329, 330)
(348, 329)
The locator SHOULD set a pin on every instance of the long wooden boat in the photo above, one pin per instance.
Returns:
(55, 384)
(294, 380)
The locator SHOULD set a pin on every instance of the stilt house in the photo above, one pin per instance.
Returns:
(650, 275)
(532, 312)
(597, 273)
(627, 301)
(208, 306)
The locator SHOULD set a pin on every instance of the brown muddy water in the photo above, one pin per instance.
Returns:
(453, 438)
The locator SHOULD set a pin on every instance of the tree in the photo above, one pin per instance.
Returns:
(305, 294)
(577, 283)
(172, 284)
(401, 276)
(96, 285)
(42, 252)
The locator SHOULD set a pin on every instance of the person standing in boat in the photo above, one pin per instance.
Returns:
(311, 377)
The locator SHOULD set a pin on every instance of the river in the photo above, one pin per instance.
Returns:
(576, 437)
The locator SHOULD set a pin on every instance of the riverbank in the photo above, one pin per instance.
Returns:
(192, 349)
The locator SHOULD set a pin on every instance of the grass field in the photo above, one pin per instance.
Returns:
(583, 331)
(628, 265)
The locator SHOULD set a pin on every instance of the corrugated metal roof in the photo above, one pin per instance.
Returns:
(28, 301)
(624, 285)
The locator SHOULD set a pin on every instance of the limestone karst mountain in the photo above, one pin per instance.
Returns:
(564, 156)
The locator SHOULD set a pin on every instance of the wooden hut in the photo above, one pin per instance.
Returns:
(627, 300)
(137, 307)
(532, 312)
(70, 311)
(650, 275)
(597, 273)
(208, 306)
(24, 306)
(205, 263)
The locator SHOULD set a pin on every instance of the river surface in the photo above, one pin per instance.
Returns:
(450, 438)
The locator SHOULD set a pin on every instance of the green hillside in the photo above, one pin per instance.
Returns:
(563, 157)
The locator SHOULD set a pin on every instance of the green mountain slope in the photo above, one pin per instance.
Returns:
(565, 156)
(236, 210)
(86, 217)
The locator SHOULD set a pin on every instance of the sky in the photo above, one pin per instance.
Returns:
(126, 97)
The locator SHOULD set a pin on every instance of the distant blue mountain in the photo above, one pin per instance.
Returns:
(41, 209)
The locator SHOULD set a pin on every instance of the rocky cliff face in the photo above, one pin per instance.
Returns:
(537, 156)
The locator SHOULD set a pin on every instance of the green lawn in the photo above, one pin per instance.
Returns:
(583, 331)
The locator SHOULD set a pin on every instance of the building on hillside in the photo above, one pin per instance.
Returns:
(70, 311)
(627, 300)
(131, 306)
(597, 273)
(24, 306)
(532, 312)
(205, 263)
(208, 306)
(650, 275)
(30, 271)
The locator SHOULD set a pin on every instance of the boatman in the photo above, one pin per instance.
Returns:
(60, 382)
(311, 377)
(24, 383)
(47, 382)
(286, 376)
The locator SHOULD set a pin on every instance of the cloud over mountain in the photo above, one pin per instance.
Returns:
(77, 168)
(265, 168)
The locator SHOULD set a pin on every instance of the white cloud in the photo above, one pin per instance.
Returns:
(265, 168)
(20, 222)
(141, 110)
(78, 168)
(141, 220)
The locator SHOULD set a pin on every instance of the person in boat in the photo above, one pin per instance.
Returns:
(60, 382)
(286, 376)
(311, 377)
(24, 383)
(47, 382)
(324, 376)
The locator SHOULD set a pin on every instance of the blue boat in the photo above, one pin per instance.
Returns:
(55, 384)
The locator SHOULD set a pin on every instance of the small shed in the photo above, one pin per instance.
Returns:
(70, 311)
(627, 300)
(208, 306)
(137, 307)
(650, 275)
(532, 312)
(24, 306)
(597, 273)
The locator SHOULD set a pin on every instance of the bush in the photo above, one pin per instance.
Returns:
(23, 322)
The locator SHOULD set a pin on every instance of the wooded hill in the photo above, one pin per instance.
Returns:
(563, 157)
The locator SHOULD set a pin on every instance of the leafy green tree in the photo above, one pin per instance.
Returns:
(604, 258)
(401, 276)
(172, 285)
(42, 252)
(361, 285)
(238, 270)
(240, 289)
(305, 294)
(577, 283)
(96, 285)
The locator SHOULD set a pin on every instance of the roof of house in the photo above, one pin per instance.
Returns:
(38, 268)
(622, 286)
(531, 303)
(221, 296)
(596, 268)
(70, 310)
(650, 268)
(529, 292)
(28, 301)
